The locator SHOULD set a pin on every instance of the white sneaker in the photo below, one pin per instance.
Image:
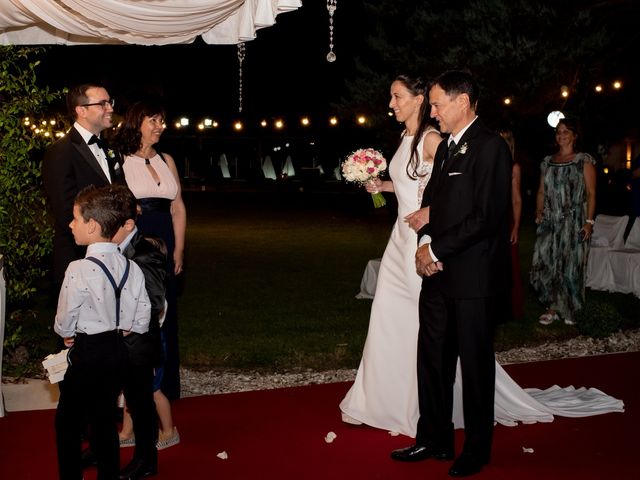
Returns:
(548, 318)
(128, 442)
(166, 441)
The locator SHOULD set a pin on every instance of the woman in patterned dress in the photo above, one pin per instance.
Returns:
(565, 207)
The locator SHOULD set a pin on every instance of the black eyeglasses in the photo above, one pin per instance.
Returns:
(102, 103)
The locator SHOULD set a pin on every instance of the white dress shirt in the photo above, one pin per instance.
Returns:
(95, 149)
(125, 243)
(87, 301)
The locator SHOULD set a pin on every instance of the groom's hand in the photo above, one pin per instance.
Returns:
(424, 262)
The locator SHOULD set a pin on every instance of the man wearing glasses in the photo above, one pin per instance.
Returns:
(77, 160)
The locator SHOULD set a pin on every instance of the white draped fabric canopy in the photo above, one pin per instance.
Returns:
(142, 22)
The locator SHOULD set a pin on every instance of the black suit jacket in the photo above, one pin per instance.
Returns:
(470, 203)
(146, 349)
(153, 263)
(68, 167)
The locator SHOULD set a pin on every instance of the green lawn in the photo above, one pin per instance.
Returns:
(271, 279)
(271, 282)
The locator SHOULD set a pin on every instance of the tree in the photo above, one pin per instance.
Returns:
(25, 230)
(522, 49)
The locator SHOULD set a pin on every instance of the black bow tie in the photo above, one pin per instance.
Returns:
(98, 141)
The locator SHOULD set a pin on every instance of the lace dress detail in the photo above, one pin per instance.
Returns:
(425, 171)
(385, 393)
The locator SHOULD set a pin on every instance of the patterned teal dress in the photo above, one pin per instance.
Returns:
(557, 272)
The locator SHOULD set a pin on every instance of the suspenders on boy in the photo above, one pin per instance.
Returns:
(116, 288)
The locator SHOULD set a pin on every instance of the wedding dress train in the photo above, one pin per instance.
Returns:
(384, 394)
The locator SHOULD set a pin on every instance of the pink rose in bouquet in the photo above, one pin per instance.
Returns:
(363, 166)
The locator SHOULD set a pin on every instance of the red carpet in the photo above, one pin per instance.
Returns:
(280, 434)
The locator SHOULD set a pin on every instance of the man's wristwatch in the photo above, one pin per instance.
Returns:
(590, 221)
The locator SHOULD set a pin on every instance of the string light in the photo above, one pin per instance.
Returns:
(46, 128)
(241, 53)
(331, 7)
(207, 123)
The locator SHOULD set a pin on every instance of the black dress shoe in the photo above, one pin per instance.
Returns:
(138, 468)
(466, 465)
(415, 453)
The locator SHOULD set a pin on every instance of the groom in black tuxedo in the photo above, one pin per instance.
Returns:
(77, 160)
(463, 255)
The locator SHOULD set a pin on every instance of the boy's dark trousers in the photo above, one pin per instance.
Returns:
(144, 352)
(137, 385)
(88, 397)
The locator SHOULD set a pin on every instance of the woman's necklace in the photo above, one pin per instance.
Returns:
(147, 153)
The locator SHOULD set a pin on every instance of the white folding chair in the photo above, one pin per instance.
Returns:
(267, 168)
(608, 234)
(625, 263)
(288, 169)
(224, 166)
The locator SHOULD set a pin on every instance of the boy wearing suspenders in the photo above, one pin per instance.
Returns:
(102, 300)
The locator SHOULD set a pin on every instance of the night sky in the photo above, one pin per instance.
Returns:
(285, 70)
(286, 75)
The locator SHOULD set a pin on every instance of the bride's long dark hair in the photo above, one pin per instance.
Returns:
(417, 86)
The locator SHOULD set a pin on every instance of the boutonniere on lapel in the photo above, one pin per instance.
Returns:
(462, 150)
(111, 154)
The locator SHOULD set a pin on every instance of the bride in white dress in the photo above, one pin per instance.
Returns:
(385, 394)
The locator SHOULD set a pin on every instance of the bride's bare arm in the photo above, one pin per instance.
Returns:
(431, 141)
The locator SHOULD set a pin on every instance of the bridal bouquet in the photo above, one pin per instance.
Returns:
(365, 165)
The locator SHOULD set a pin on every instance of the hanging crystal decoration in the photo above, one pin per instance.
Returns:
(331, 6)
(241, 52)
